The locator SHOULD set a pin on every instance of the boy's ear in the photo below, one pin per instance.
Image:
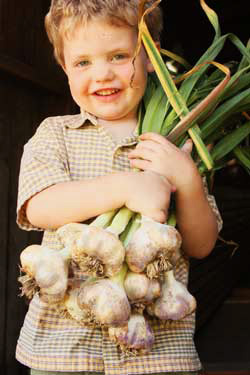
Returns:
(150, 67)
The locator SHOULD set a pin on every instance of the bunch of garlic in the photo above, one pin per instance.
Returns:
(130, 270)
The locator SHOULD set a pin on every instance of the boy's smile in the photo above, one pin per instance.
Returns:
(99, 66)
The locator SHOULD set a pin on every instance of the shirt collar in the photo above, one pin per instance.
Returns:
(79, 120)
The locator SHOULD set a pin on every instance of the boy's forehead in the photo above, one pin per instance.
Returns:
(95, 32)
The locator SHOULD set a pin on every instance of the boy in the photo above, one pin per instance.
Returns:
(77, 167)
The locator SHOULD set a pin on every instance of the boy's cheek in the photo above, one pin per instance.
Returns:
(126, 71)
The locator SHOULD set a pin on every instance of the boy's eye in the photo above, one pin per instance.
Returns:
(118, 57)
(83, 63)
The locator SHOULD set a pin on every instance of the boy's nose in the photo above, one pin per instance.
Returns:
(103, 72)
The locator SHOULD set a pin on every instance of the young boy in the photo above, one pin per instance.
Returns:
(77, 167)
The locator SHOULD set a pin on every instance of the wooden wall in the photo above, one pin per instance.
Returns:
(32, 87)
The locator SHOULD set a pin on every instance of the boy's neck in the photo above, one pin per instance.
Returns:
(119, 129)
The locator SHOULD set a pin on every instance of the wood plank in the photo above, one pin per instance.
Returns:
(223, 343)
(227, 372)
(31, 107)
(4, 199)
(20, 124)
(25, 72)
(4, 217)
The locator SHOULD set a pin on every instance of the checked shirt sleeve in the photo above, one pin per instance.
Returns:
(44, 163)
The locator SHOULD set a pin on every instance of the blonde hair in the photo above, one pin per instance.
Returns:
(65, 15)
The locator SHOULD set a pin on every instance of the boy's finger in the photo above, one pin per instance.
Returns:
(151, 145)
(188, 146)
(155, 137)
(144, 165)
(141, 153)
(159, 216)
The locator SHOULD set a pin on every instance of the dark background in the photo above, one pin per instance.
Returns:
(33, 87)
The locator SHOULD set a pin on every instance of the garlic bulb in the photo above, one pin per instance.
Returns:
(95, 250)
(46, 272)
(105, 301)
(175, 302)
(70, 308)
(139, 288)
(136, 285)
(135, 337)
(154, 248)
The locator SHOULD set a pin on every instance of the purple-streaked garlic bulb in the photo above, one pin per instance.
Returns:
(104, 302)
(175, 301)
(154, 248)
(45, 271)
(95, 250)
(136, 337)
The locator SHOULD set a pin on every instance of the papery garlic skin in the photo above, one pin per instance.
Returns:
(49, 270)
(95, 250)
(175, 302)
(153, 292)
(136, 285)
(69, 308)
(136, 337)
(105, 302)
(154, 248)
(139, 288)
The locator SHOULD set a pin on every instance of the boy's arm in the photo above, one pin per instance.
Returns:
(49, 198)
(77, 201)
(196, 220)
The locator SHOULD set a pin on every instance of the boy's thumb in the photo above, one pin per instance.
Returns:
(188, 146)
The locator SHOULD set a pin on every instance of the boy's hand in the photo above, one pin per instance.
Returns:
(155, 153)
(149, 194)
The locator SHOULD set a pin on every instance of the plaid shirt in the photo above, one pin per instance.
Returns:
(67, 148)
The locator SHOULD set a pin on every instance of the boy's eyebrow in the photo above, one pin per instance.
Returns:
(118, 50)
(80, 56)
(110, 52)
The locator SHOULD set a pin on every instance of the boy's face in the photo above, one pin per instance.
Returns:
(98, 63)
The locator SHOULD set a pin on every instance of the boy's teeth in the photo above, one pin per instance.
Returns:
(107, 92)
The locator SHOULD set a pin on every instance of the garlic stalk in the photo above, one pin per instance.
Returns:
(120, 221)
(104, 301)
(46, 272)
(175, 301)
(154, 248)
(97, 251)
(136, 337)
